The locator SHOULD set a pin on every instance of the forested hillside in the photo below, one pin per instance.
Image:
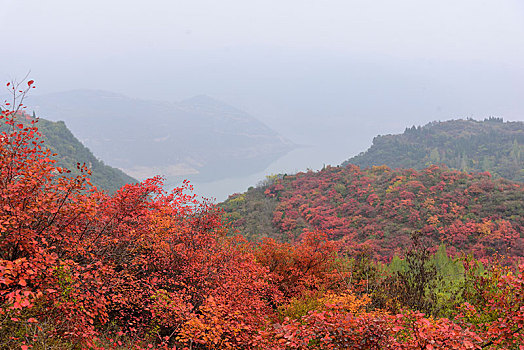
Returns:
(469, 145)
(70, 151)
(143, 268)
(379, 208)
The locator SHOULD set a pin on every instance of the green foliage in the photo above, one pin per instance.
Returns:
(421, 281)
(468, 145)
(250, 213)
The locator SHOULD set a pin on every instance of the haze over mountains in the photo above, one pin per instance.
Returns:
(199, 136)
(226, 150)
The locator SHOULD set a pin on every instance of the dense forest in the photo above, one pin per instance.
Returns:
(148, 269)
(68, 151)
(468, 145)
(378, 209)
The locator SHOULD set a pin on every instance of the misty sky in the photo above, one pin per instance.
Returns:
(490, 30)
(338, 71)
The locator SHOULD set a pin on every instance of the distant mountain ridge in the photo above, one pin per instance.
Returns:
(199, 135)
(468, 145)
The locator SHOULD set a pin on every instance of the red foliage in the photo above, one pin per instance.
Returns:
(336, 328)
(295, 269)
(495, 307)
(77, 261)
(382, 207)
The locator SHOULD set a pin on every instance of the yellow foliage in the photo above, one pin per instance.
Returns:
(433, 220)
(343, 302)
(346, 301)
(485, 227)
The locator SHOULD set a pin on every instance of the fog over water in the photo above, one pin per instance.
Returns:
(329, 75)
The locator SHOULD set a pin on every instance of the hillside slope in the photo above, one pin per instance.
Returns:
(380, 208)
(70, 151)
(468, 145)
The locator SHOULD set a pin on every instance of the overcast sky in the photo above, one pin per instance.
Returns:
(491, 30)
(279, 59)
